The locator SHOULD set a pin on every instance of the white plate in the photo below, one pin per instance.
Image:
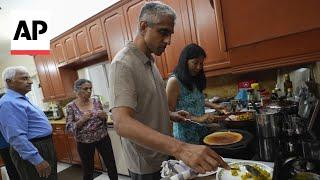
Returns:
(207, 173)
(210, 110)
(224, 174)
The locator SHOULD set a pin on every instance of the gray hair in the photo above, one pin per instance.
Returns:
(10, 72)
(78, 83)
(152, 12)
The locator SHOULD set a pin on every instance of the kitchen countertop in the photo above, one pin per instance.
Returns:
(60, 121)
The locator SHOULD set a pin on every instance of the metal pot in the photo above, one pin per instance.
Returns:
(269, 124)
(268, 148)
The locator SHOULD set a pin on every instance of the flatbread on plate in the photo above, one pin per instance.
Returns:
(222, 138)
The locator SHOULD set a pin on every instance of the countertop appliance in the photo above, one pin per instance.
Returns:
(299, 155)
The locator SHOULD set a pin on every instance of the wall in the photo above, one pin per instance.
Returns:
(26, 61)
(227, 86)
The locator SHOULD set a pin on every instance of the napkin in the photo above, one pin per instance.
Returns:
(176, 170)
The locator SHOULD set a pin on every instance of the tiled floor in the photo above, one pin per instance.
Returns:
(61, 167)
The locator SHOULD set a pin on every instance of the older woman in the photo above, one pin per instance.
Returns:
(86, 120)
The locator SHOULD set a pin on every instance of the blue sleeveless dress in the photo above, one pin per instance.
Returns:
(193, 102)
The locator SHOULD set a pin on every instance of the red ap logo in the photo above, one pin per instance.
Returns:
(30, 33)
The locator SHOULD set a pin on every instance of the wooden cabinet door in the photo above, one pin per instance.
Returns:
(253, 21)
(131, 11)
(96, 36)
(58, 51)
(70, 47)
(180, 38)
(115, 31)
(97, 161)
(60, 144)
(44, 77)
(56, 81)
(205, 33)
(82, 42)
(75, 158)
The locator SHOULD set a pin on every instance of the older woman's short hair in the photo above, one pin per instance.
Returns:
(78, 83)
(10, 72)
(152, 12)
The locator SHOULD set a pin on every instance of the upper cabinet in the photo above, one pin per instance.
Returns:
(44, 77)
(51, 82)
(115, 31)
(207, 31)
(252, 21)
(58, 51)
(96, 36)
(179, 39)
(69, 43)
(131, 11)
(82, 43)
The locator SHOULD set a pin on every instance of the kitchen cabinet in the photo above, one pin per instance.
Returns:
(96, 36)
(60, 144)
(179, 39)
(83, 46)
(44, 77)
(49, 76)
(252, 21)
(74, 155)
(115, 31)
(131, 11)
(289, 50)
(69, 44)
(205, 28)
(58, 51)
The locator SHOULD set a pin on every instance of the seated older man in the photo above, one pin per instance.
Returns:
(26, 128)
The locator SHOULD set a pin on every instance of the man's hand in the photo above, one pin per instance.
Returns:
(200, 158)
(179, 116)
(44, 169)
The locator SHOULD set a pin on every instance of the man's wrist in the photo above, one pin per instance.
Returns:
(177, 148)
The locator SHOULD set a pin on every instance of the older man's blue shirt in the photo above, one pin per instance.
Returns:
(21, 121)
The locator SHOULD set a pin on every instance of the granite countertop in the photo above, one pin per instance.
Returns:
(60, 121)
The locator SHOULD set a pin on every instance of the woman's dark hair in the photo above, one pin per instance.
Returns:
(181, 71)
(79, 82)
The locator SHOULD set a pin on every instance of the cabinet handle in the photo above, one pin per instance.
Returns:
(58, 128)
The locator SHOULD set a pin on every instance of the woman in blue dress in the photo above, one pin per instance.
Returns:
(185, 92)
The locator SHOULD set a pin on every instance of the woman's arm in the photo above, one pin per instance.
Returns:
(173, 92)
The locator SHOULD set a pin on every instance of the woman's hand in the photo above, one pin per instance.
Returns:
(86, 116)
(101, 114)
(179, 116)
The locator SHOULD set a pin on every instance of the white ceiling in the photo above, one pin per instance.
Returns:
(64, 15)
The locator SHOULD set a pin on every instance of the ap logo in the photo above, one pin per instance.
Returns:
(30, 33)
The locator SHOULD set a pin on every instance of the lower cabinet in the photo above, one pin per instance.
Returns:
(66, 147)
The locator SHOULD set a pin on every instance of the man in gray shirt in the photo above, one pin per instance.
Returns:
(139, 103)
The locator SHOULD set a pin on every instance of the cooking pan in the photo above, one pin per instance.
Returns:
(239, 149)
